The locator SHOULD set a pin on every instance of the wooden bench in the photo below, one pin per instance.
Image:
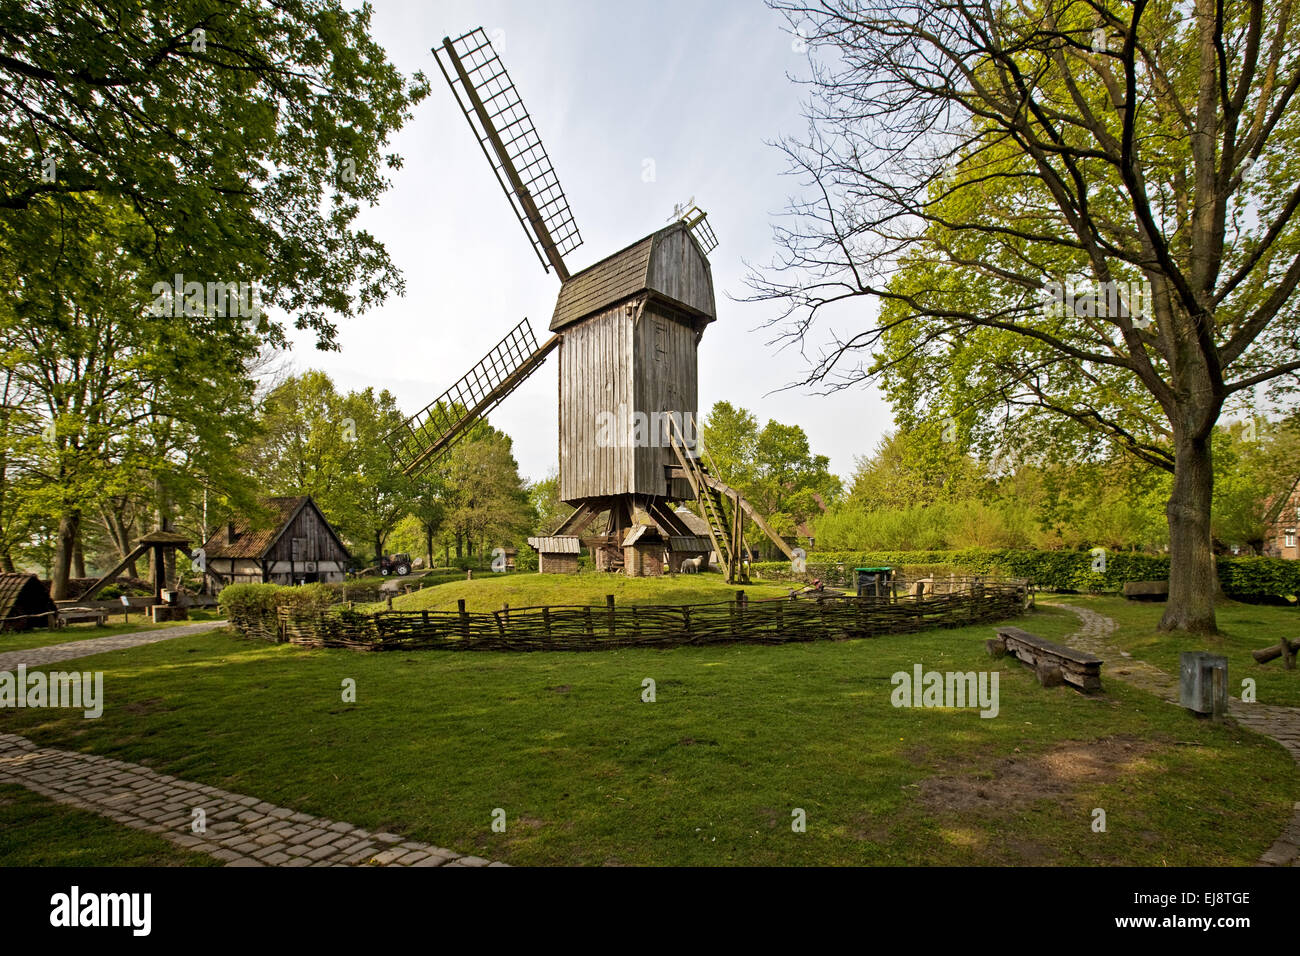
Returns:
(1147, 590)
(77, 615)
(1053, 663)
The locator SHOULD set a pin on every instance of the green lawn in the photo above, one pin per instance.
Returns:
(488, 591)
(40, 832)
(22, 640)
(738, 738)
(1245, 628)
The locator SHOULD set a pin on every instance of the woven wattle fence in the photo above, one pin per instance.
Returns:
(585, 628)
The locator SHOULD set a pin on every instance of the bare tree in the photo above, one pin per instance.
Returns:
(964, 159)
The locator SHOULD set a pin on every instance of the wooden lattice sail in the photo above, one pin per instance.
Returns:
(418, 441)
(509, 140)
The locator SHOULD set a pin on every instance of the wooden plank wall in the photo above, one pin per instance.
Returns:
(666, 379)
(321, 544)
(678, 272)
(595, 377)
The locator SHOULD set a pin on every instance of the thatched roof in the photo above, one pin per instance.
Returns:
(23, 594)
(253, 540)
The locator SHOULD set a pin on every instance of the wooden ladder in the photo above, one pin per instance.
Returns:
(724, 528)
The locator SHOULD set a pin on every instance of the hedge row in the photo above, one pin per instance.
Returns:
(1246, 578)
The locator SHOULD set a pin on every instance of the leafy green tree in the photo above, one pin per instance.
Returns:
(773, 467)
(245, 137)
(544, 496)
(109, 391)
(964, 158)
(373, 494)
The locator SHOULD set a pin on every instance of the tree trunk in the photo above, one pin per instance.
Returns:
(78, 557)
(1193, 579)
(428, 547)
(69, 524)
(7, 563)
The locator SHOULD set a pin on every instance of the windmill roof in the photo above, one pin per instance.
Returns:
(667, 263)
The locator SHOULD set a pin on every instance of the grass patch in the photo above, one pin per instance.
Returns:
(1245, 627)
(87, 630)
(489, 591)
(40, 832)
(738, 738)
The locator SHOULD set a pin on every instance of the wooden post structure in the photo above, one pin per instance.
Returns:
(609, 604)
(464, 619)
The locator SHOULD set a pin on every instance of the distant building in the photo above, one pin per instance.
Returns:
(1280, 542)
(299, 547)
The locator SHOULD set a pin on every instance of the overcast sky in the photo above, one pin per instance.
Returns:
(697, 89)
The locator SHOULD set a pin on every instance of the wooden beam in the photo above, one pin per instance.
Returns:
(137, 552)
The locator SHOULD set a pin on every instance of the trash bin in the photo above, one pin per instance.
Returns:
(1203, 682)
(875, 582)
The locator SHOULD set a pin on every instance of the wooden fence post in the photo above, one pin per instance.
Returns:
(546, 621)
(464, 619)
(609, 603)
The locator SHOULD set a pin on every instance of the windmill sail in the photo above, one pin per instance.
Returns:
(418, 441)
(505, 131)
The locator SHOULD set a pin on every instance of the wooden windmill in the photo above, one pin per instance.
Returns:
(626, 329)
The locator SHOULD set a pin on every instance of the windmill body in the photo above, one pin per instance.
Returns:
(629, 328)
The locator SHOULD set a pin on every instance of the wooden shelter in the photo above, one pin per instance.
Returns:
(25, 603)
(298, 547)
(159, 546)
(643, 552)
(556, 554)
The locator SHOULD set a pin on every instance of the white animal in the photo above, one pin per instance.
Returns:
(693, 565)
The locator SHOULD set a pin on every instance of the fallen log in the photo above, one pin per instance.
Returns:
(1283, 647)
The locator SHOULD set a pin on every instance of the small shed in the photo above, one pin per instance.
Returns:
(643, 552)
(298, 546)
(24, 603)
(682, 546)
(556, 554)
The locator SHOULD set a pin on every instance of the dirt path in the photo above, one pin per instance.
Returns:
(1280, 723)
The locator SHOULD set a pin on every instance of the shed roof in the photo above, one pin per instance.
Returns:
(693, 521)
(254, 542)
(643, 534)
(22, 594)
(668, 264)
(556, 544)
(690, 544)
